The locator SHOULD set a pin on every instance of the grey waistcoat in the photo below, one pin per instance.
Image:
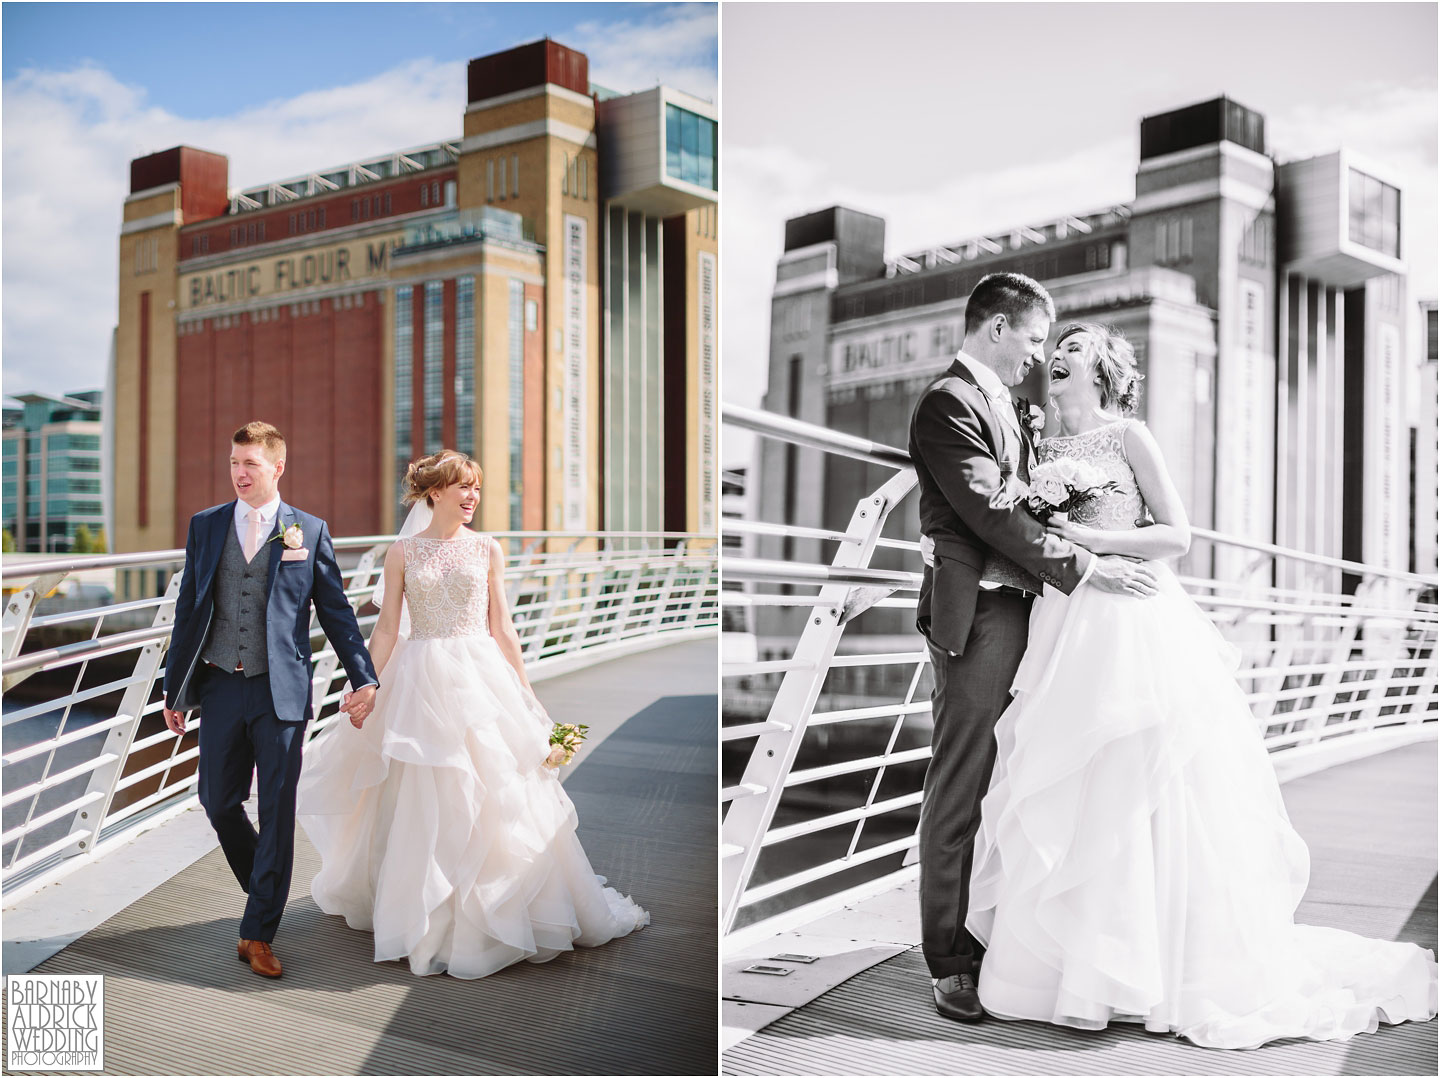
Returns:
(237, 632)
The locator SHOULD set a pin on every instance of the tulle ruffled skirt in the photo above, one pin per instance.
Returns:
(1135, 861)
(440, 829)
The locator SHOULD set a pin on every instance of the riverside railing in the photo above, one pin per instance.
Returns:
(838, 722)
(81, 771)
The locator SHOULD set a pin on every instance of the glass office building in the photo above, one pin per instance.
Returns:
(51, 477)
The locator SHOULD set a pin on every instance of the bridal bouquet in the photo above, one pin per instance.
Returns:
(1063, 484)
(565, 740)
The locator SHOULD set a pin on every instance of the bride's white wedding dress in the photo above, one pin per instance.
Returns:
(1135, 861)
(439, 827)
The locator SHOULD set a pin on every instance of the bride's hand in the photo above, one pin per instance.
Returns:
(1061, 525)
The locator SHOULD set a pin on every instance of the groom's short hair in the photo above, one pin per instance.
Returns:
(262, 434)
(1012, 294)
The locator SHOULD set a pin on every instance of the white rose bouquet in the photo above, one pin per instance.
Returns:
(565, 739)
(1063, 484)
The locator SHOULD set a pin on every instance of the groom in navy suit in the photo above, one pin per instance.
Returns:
(240, 653)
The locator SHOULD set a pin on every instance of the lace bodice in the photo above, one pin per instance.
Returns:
(447, 585)
(1118, 510)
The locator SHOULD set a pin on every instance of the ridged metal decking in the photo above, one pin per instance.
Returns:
(1371, 828)
(178, 1002)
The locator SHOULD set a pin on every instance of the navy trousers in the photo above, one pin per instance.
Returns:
(971, 692)
(241, 737)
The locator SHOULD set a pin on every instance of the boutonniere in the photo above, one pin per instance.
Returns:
(293, 537)
(1031, 415)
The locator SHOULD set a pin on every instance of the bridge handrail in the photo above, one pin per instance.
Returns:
(23, 570)
(601, 594)
(808, 435)
(1331, 674)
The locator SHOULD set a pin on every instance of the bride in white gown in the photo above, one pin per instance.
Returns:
(1135, 861)
(439, 826)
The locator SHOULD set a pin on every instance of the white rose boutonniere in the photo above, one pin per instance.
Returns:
(1034, 418)
(292, 537)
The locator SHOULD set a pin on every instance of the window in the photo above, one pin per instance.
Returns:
(502, 179)
(565, 177)
(490, 180)
(424, 195)
(434, 365)
(1374, 214)
(1174, 240)
(465, 364)
(147, 254)
(584, 178)
(689, 147)
(514, 177)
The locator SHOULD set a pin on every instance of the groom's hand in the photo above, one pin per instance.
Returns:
(1124, 577)
(175, 720)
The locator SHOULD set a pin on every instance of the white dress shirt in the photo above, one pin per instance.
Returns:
(267, 519)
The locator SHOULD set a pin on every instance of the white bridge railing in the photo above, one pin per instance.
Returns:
(1338, 663)
(81, 771)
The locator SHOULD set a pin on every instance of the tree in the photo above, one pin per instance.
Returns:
(88, 542)
(7, 541)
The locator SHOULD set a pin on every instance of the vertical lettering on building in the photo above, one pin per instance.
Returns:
(1389, 463)
(1249, 398)
(573, 424)
(707, 393)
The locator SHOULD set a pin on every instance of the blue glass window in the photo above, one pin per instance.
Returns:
(690, 147)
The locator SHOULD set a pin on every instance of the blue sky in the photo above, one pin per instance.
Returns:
(197, 59)
(280, 89)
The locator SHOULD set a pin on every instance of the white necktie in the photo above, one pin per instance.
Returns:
(252, 537)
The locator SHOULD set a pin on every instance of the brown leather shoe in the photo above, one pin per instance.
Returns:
(262, 960)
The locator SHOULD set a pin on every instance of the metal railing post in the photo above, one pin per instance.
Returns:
(21, 608)
(148, 665)
(756, 798)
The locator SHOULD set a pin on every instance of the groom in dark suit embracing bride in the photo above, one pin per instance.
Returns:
(986, 559)
(240, 653)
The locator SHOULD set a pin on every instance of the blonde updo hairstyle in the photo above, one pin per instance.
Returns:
(429, 475)
(1112, 358)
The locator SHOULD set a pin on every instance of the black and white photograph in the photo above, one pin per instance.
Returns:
(360, 561)
(1079, 539)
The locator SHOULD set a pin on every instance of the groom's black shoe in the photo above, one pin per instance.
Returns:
(956, 997)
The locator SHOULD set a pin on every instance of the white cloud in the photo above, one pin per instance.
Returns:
(676, 46)
(69, 137)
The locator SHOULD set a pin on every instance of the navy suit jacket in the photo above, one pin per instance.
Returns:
(290, 589)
